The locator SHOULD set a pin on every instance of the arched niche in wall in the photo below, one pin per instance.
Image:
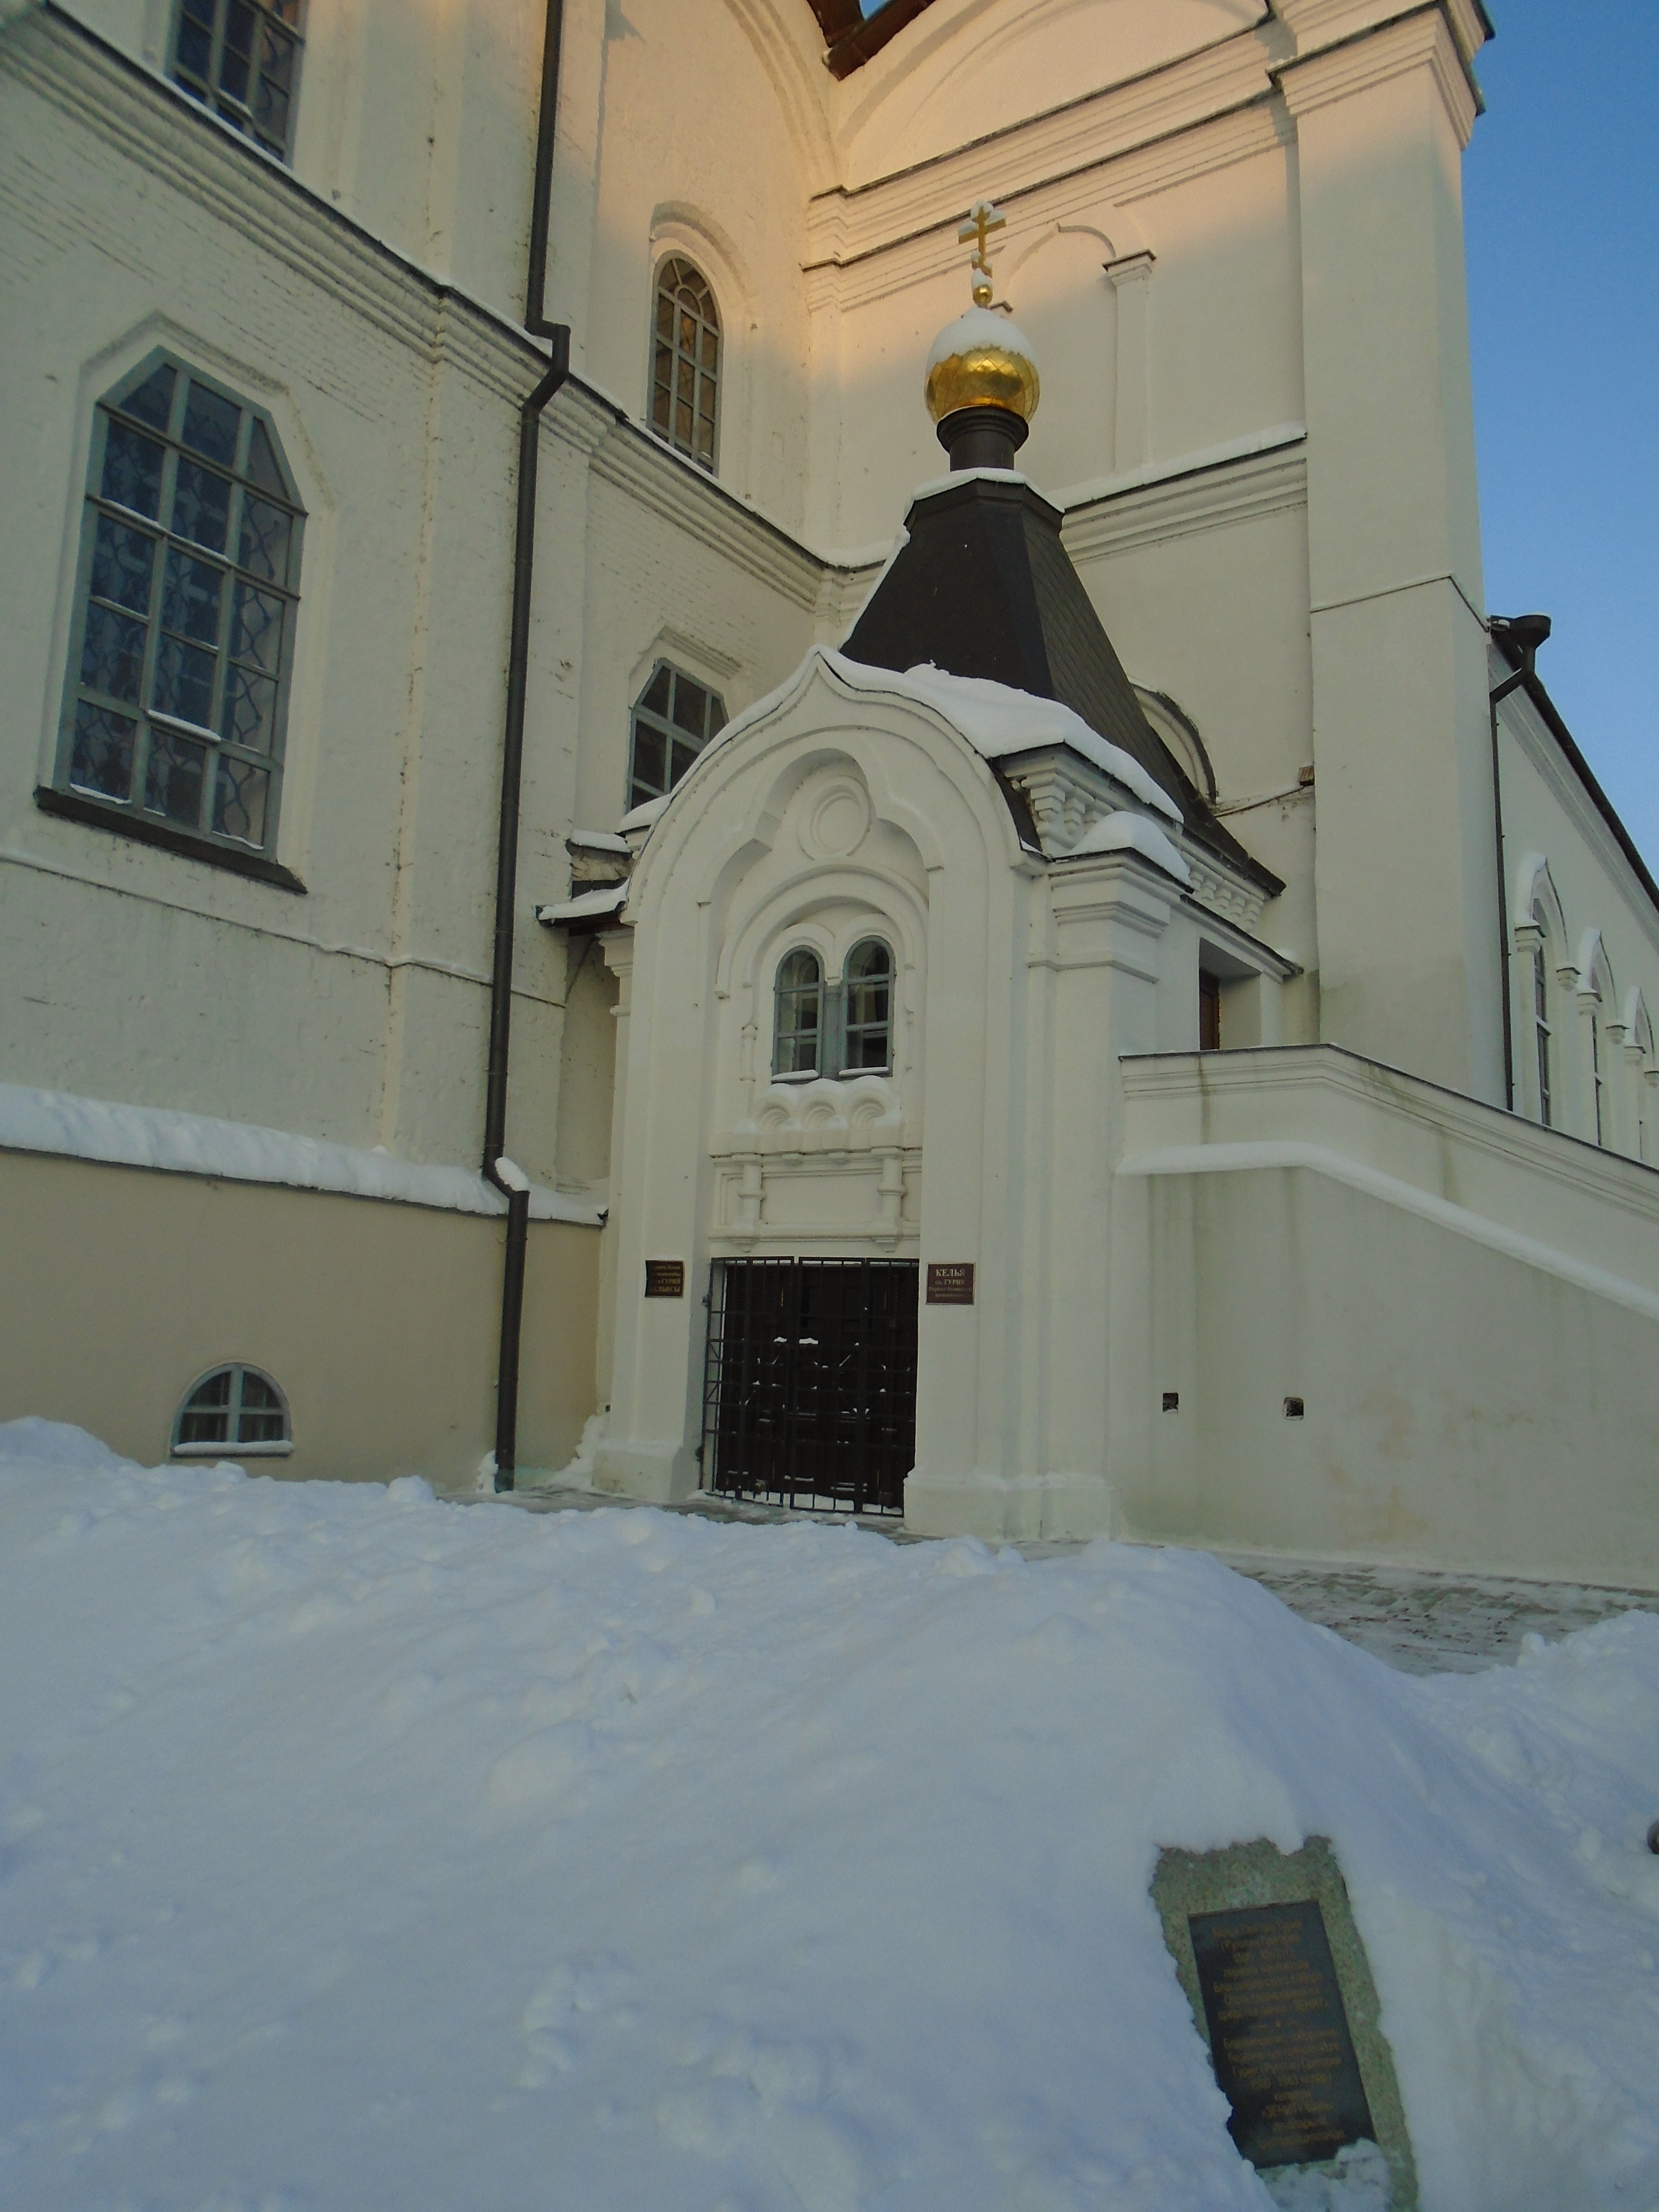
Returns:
(1180, 734)
(1062, 299)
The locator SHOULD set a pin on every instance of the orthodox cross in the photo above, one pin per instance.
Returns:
(981, 219)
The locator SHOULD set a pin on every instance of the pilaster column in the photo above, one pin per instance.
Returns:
(1131, 279)
(1404, 874)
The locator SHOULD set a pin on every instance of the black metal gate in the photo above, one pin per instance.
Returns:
(810, 1390)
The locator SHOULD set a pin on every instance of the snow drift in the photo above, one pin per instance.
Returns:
(360, 1849)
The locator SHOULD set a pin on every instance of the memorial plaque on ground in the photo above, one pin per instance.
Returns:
(1281, 1991)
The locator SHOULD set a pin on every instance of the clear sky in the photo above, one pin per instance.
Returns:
(1561, 193)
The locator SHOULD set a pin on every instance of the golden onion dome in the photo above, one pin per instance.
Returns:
(982, 360)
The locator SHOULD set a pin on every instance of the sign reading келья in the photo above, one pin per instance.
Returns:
(1281, 1991)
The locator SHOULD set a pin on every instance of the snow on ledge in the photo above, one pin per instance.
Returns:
(584, 908)
(58, 1122)
(1132, 833)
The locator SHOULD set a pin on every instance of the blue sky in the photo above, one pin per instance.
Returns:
(1561, 193)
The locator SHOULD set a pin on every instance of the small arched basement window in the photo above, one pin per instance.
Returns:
(685, 361)
(674, 718)
(233, 1409)
(869, 1002)
(798, 1026)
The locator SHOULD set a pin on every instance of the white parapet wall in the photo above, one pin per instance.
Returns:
(1464, 1306)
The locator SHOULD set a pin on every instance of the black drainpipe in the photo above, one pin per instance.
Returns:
(497, 1168)
(1527, 633)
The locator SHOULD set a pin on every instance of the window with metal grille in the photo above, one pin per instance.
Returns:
(241, 59)
(685, 361)
(674, 718)
(183, 640)
(810, 1383)
(834, 1029)
(233, 1408)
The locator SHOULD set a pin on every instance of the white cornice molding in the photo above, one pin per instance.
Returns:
(1206, 496)
(649, 474)
(846, 226)
(1106, 191)
(1318, 23)
(1422, 40)
(142, 118)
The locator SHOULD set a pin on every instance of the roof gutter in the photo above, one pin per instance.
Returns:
(508, 1179)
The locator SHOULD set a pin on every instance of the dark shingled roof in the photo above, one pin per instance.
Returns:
(984, 587)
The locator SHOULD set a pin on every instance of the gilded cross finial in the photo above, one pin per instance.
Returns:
(981, 219)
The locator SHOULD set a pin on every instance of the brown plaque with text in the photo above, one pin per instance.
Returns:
(664, 1278)
(1278, 2034)
(949, 1282)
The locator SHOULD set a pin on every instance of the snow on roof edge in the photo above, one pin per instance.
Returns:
(995, 719)
(161, 1137)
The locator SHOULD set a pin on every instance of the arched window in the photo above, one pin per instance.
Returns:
(869, 1003)
(241, 59)
(233, 1408)
(1598, 1073)
(798, 1026)
(1540, 1028)
(674, 718)
(183, 641)
(685, 361)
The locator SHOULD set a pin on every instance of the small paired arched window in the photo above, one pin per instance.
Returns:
(839, 1028)
(685, 361)
(674, 718)
(185, 612)
(233, 1409)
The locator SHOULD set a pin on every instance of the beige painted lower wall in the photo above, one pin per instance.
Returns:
(119, 1286)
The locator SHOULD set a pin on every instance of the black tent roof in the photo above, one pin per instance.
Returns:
(984, 587)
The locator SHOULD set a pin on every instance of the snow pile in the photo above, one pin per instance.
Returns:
(240, 1152)
(360, 1849)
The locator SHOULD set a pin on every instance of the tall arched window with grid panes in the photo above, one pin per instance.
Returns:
(241, 59)
(685, 361)
(181, 652)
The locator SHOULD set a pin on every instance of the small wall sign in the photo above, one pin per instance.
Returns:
(949, 1282)
(664, 1278)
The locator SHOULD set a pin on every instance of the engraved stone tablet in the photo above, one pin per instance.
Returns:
(1267, 1950)
(664, 1278)
(1279, 2035)
(949, 1282)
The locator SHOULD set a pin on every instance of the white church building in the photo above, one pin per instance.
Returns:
(565, 870)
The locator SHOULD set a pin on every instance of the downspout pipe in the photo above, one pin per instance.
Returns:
(1523, 634)
(498, 1169)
